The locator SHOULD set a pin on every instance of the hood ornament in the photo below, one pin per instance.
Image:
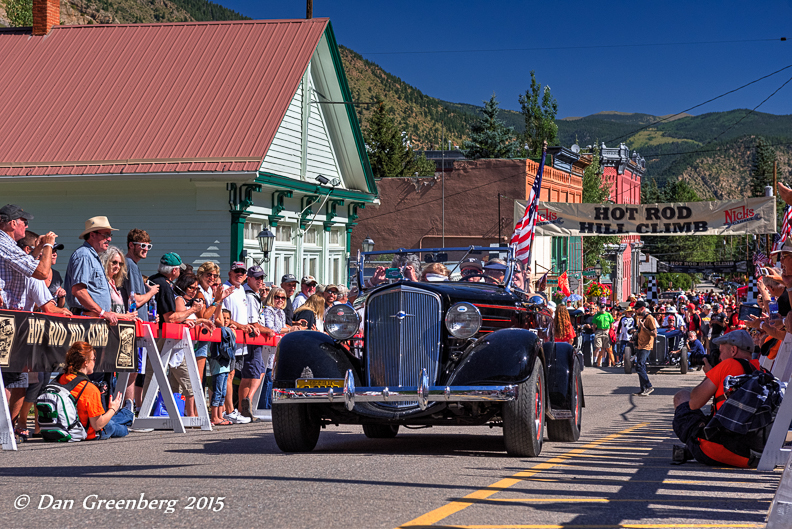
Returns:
(401, 315)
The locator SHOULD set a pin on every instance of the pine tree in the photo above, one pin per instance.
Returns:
(388, 152)
(650, 194)
(489, 137)
(539, 109)
(762, 170)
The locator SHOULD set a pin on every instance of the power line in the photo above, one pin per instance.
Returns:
(730, 127)
(550, 48)
(696, 106)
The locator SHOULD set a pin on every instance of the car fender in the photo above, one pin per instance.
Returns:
(503, 357)
(561, 360)
(313, 350)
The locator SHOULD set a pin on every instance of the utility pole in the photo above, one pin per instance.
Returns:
(442, 169)
(309, 9)
(499, 220)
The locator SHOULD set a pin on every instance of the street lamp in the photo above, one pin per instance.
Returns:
(598, 271)
(265, 239)
(368, 244)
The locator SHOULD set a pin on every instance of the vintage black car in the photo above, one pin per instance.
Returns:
(432, 353)
(670, 350)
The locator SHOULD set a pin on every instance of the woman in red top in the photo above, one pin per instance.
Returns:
(564, 332)
(98, 423)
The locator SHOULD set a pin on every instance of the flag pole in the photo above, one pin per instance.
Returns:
(535, 202)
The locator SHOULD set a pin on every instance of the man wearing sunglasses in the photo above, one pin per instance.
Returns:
(237, 305)
(255, 365)
(87, 289)
(138, 246)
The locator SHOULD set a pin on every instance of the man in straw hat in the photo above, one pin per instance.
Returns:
(87, 289)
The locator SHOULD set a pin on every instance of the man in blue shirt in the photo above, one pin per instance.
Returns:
(696, 349)
(138, 246)
(87, 287)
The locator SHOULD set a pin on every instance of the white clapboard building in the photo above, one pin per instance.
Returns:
(203, 134)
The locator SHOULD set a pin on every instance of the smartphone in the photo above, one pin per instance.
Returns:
(764, 271)
(747, 310)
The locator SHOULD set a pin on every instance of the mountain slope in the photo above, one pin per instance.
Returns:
(713, 152)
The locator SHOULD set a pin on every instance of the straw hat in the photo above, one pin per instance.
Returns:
(96, 224)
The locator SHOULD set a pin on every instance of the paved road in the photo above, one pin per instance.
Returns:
(618, 474)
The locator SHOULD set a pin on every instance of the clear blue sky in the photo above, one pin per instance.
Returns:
(655, 80)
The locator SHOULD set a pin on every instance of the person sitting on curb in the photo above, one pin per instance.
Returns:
(98, 423)
(689, 420)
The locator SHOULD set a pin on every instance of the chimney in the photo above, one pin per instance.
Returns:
(46, 13)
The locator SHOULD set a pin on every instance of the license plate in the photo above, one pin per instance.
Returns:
(320, 382)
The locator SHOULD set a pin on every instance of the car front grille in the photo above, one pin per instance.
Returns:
(402, 336)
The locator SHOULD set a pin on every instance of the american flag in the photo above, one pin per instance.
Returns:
(786, 225)
(760, 258)
(523, 236)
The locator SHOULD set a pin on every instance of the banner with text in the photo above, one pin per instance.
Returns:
(727, 217)
(32, 341)
(695, 267)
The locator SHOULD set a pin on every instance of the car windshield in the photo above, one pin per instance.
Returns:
(486, 265)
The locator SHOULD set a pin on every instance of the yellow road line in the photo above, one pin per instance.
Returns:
(456, 506)
(619, 526)
(608, 500)
(627, 480)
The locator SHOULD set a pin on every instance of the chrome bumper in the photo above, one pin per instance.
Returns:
(424, 393)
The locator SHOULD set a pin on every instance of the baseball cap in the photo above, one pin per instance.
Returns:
(307, 280)
(739, 338)
(707, 306)
(288, 278)
(494, 266)
(172, 259)
(330, 287)
(256, 271)
(470, 262)
(238, 264)
(671, 310)
(11, 212)
(639, 304)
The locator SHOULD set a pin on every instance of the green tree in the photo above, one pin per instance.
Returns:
(762, 169)
(19, 12)
(489, 137)
(650, 194)
(388, 152)
(683, 247)
(539, 109)
(595, 191)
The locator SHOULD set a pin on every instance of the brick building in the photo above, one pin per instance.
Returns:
(624, 172)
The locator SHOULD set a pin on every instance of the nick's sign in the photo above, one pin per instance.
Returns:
(731, 217)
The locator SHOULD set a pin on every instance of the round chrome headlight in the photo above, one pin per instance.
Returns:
(341, 321)
(463, 320)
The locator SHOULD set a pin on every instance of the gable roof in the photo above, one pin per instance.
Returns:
(143, 98)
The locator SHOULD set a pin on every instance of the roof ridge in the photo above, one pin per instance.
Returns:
(188, 23)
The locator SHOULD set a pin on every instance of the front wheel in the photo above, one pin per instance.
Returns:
(295, 427)
(684, 361)
(523, 418)
(568, 430)
(380, 431)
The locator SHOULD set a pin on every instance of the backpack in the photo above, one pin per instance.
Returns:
(224, 351)
(57, 411)
(742, 423)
